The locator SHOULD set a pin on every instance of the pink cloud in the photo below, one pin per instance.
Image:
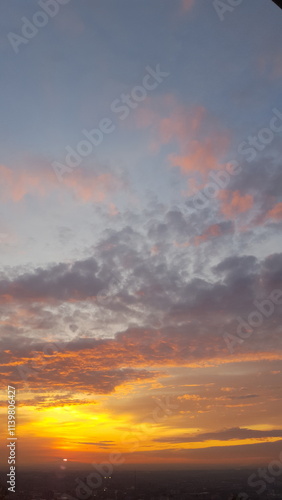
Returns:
(201, 156)
(40, 181)
(200, 139)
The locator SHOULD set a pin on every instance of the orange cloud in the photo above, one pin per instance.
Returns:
(275, 212)
(122, 360)
(233, 203)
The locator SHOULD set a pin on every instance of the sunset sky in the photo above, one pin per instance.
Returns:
(127, 273)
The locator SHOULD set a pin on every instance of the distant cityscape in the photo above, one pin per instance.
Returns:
(140, 485)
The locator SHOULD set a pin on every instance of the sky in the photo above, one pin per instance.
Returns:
(140, 231)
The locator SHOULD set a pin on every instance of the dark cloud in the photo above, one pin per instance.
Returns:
(224, 435)
(99, 444)
(144, 298)
(61, 282)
